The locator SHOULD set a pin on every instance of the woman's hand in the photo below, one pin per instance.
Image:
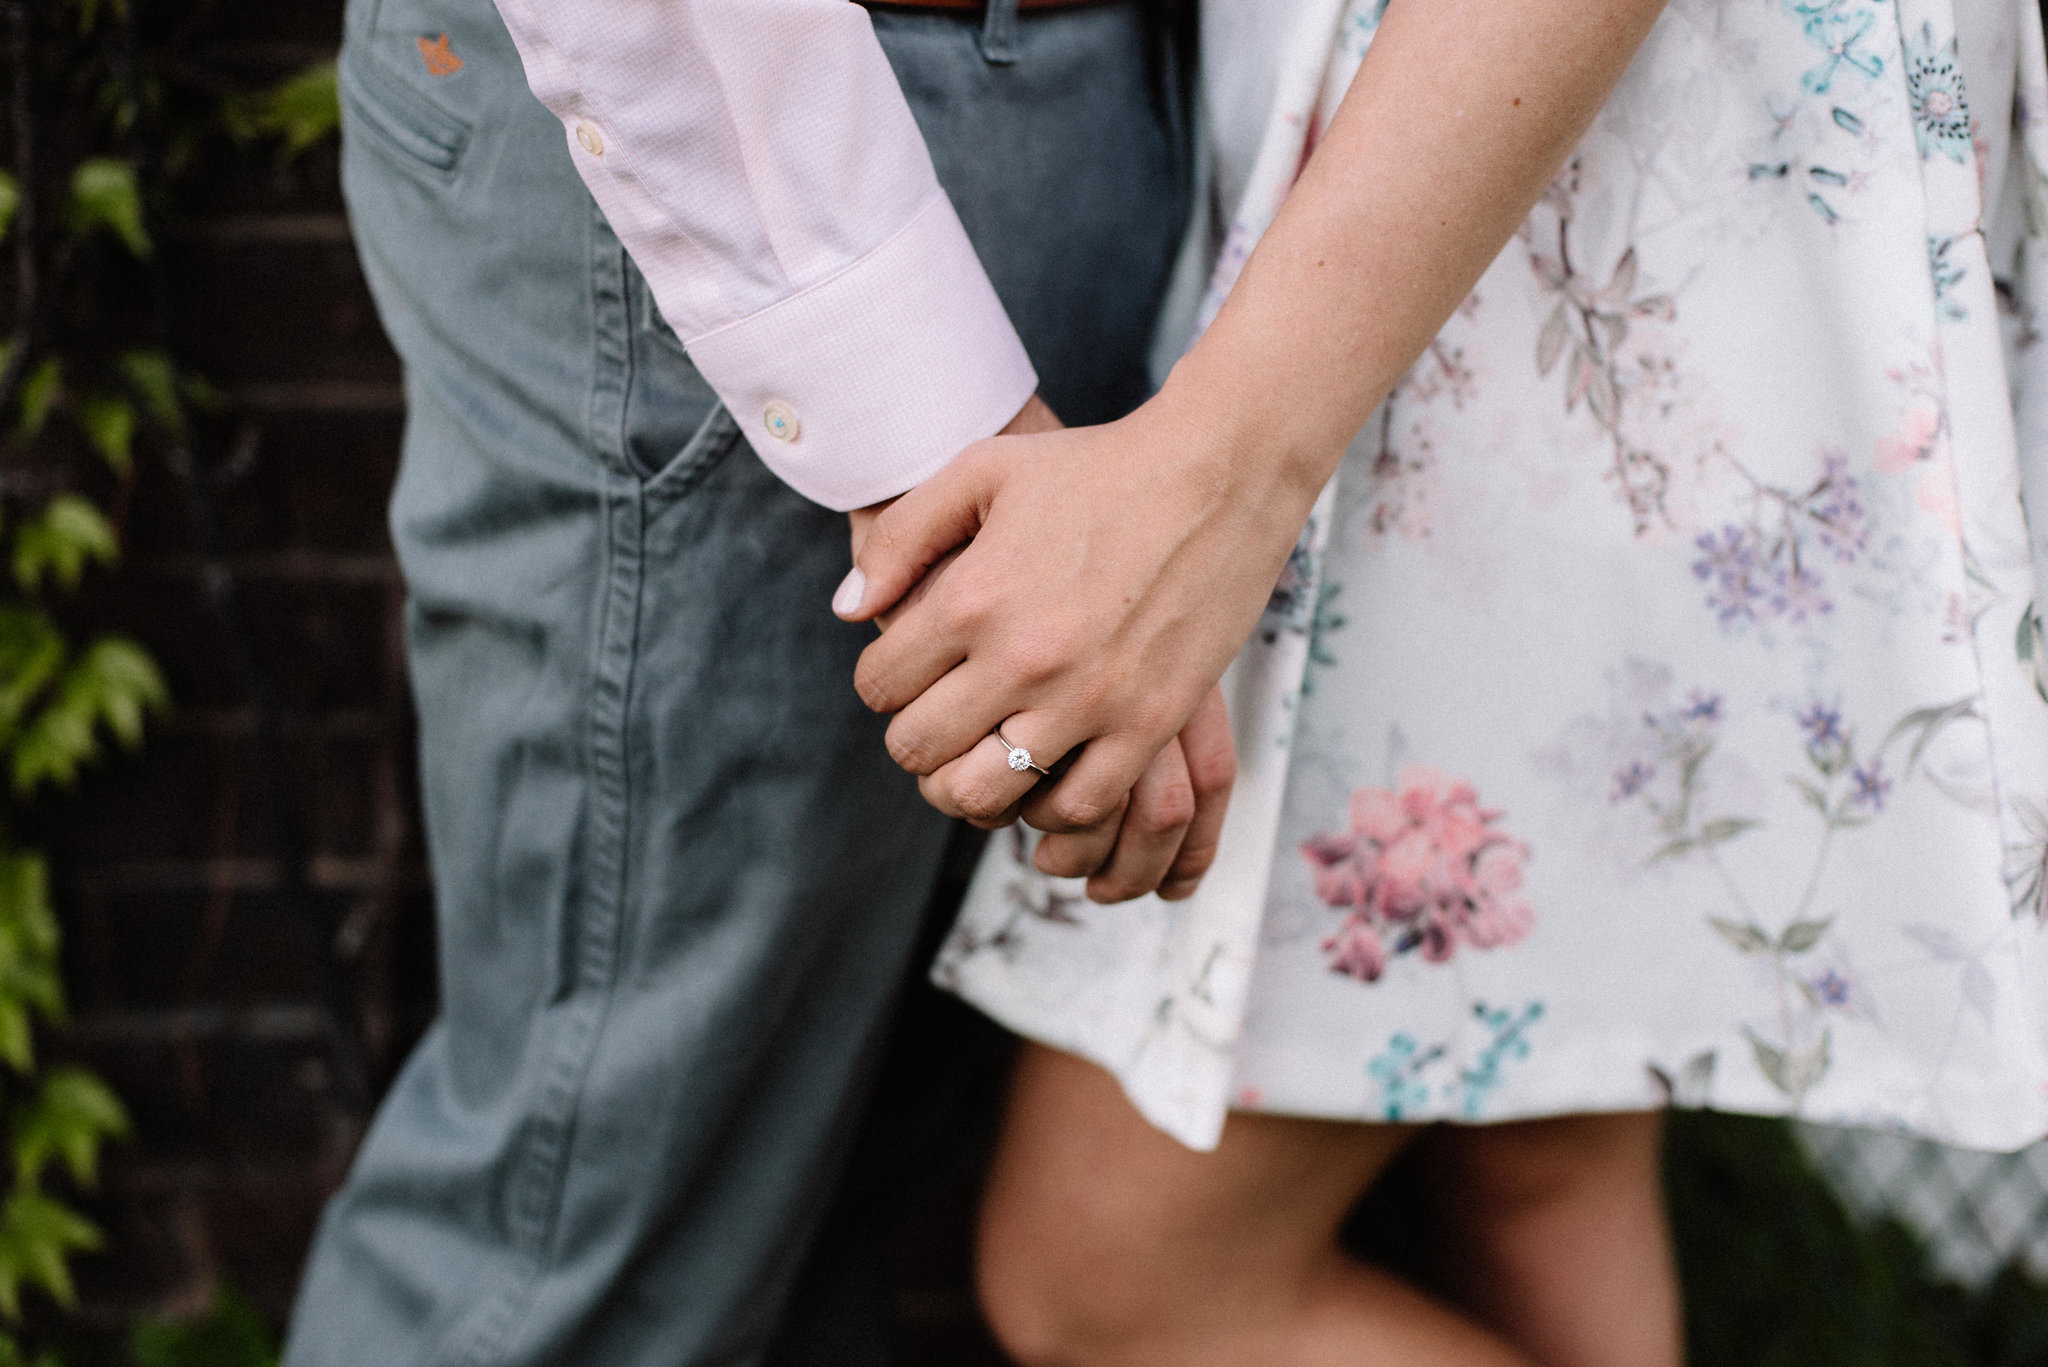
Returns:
(1111, 574)
(1163, 833)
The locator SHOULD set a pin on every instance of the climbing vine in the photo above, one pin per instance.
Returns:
(103, 113)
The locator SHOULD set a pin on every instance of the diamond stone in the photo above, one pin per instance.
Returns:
(1020, 758)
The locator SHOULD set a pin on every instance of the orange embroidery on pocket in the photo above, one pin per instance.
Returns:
(440, 61)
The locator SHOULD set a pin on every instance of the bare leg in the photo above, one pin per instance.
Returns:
(1555, 1235)
(1106, 1244)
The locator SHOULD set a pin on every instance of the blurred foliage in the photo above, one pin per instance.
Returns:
(104, 114)
(231, 1333)
(1777, 1272)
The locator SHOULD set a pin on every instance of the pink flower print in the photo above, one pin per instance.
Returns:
(1423, 868)
(1356, 949)
(1918, 437)
(1938, 494)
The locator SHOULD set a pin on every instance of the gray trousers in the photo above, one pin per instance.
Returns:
(678, 879)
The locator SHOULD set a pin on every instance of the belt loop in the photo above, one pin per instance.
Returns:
(999, 33)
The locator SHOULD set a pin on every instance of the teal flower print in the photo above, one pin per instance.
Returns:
(1934, 86)
(1397, 1071)
(1838, 28)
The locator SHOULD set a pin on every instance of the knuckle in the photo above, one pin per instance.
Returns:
(1109, 889)
(1061, 859)
(1041, 653)
(966, 600)
(1079, 811)
(911, 752)
(1214, 771)
(1192, 864)
(979, 800)
(1169, 809)
(872, 687)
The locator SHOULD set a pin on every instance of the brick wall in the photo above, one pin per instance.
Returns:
(245, 901)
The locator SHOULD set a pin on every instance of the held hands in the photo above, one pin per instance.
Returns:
(1163, 834)
(1107, 577)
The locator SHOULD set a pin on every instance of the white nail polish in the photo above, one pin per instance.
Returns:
(851, 590)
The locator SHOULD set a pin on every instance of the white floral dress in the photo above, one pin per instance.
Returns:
(1656, 708)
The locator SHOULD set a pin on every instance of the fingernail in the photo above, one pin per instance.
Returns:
(846, 600)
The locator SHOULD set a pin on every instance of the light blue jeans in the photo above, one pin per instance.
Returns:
(678, 879)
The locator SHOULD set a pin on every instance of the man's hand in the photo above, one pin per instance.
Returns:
(1162, 835)
(1165, 836)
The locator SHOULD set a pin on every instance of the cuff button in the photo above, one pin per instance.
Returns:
(781, 421)
(592, 140)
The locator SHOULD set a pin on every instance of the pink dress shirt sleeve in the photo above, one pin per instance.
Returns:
(757, 159)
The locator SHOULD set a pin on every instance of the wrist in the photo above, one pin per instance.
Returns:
(1246, 442)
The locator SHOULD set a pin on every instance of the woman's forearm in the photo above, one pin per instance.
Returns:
(1114, 571)
(1456, 122)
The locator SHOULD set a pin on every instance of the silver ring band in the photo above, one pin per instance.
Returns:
(1019, 758)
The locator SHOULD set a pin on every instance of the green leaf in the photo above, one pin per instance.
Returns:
(70, 533)
(104, 194)
(1815, 798)
(32, 652)
(1929, 722)
(17, 1037)
(39, 391)
(155, 381)
(1748, 939)
(27, 919)
(38, 1235)
(29, 978)
(302, 111)
(109, 423)
(10, 201)
(1801, 936)
(113, 684)
(1672, 849)
(72, 1113)
(126, 684)
(1771, 1060)
(1726, 828)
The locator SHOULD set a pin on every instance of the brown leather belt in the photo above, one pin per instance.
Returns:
(976, 5)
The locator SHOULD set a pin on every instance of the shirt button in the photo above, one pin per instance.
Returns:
(781, 422)
(592, 140)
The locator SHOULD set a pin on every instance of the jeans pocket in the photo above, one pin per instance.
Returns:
(385, 110)
(715, 439)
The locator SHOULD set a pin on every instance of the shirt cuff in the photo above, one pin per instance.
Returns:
(870, 381)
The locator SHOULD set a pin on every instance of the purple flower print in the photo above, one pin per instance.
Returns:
(1630, 779)
(1730, 566)
(1836, 511)
(1423, 867)
(1827, 739)
(1871, 786)
(1701, 707)
(1829, 988)
(1762, 569)
(1822, 726)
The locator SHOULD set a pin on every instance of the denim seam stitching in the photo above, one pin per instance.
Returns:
(538, 1179)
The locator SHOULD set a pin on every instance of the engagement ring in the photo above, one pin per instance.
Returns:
(1020, 758)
